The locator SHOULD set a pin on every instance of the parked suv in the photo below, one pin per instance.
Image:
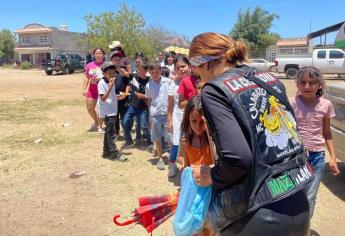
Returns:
(336, 94)
(67, 63)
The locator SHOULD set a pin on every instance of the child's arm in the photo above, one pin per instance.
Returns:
(85, 85)
(147, 96)
(327, 134)
(106, 95)
(182, 102)
(170, 112)
(124, 95)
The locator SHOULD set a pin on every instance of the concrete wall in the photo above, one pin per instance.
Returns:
(69, 42)
(34, 40)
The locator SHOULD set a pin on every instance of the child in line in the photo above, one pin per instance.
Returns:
(313, 114)
(198, 149)
(175, 114)
(182, 148)
(107, 103)
(156, 93)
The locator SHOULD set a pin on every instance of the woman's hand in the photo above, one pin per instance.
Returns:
(84, 93)
(202, 175)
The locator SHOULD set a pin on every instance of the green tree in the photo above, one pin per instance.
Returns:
(128, 27)
(253, 27)
(7, 44)
(151, 40)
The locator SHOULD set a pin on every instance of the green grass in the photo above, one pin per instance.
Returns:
(30, 110)
(50, 137)
(8, 66)
(35, 113)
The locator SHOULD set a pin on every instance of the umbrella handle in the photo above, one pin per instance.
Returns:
(128, 222)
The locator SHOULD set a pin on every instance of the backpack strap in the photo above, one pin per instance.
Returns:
(249, 73)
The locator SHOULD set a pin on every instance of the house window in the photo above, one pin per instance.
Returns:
(286, 51)
(25, 40)
(272, 56)
(43, 39)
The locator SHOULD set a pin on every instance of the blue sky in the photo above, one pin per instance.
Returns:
(185, 17)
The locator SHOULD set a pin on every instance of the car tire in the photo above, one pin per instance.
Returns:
(49, 72)
(291, 73)
(66, 70)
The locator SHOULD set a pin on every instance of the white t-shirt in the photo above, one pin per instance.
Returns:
(171, 68)
(158, 92)
(177, 113)
(109, 107)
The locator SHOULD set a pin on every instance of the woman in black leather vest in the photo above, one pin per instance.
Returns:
(212, 55)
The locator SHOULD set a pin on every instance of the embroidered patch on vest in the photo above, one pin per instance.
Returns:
(238, 84)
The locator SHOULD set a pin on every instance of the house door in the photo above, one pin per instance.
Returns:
(26, 57)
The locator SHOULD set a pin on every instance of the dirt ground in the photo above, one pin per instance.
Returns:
(37, 197)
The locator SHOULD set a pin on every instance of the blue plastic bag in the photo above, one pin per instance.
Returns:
(192, 205)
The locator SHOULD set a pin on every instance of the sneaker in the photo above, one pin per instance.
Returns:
(100, 130)
(172, 169)
(160, 164)
(128, 145)
(119, 157)
(93, 128)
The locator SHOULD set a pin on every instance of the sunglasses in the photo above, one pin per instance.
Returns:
(199, 60)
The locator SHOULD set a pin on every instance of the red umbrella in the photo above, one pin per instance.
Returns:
(152, 211)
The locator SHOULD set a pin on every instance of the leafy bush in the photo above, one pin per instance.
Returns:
(25, 65)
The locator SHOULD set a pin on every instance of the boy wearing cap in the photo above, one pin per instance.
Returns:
(107, 104)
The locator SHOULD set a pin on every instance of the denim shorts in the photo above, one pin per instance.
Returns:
(317, 159)
(159, 127)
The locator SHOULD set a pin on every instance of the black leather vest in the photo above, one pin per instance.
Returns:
(279, 167)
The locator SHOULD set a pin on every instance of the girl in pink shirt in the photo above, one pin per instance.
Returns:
(313, 114)
(93, 74)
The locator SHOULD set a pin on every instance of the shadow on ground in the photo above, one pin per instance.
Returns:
(176, 180)
(336, 184)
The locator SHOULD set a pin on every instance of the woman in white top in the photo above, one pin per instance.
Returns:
(169, 62)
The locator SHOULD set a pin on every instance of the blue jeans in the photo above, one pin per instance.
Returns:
(173, 153)
(141, 117)
(317, 162)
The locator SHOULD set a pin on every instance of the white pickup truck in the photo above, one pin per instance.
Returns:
(329, 61)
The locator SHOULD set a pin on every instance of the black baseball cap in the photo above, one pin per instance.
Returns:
(107, 65)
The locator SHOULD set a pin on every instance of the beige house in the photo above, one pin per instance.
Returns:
(293, 46)
(289, 46)
(37, 43)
